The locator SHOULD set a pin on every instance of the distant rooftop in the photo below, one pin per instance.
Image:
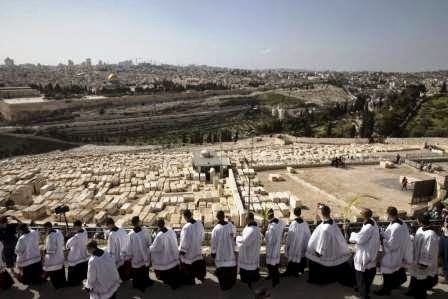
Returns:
(25, 100)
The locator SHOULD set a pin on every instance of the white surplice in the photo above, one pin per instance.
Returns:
(397, 247)
(102, 276)
(297, 240)
(54, 251)
(368, 244)
(164, 250)
(426, 253)
(76, 246)
(248, 245)
(138, 249)
(223, 245)
(273, 237)
(117, 245)
(27, 249)
(327, 246)
(191, 238)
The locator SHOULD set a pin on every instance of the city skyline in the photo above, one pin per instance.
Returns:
(337, 35)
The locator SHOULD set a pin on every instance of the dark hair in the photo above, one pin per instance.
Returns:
(325, 210)
(135, 220)
(109, 221)
(48, 224)
(160, 222)
(3, 219)
(23, 227)
(187, 213)
(92, 245)
(367, 212)
(220, 215)
(392, 211)
(424, 219)
(77, 223)
(250, 216)
(297, 211)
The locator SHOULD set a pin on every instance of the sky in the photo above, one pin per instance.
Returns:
(388, 35)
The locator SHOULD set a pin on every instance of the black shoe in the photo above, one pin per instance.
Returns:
(382, 292)
(409, 294)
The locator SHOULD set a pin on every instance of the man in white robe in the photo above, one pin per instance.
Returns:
(367, 246)
(273, 237)
(248, 245)
(296, 243)
(328, 253)
(54, 256)
(77, 257)
(28, 256)
(223, 251)
(425, 267)
(165, 255)
(397, 250)
(103, 279)
(190, 249)
(138, 250)
(117, 246)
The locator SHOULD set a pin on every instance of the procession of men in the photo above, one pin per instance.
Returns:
(325, 252)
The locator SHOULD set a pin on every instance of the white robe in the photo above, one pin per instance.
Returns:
(102, 276)
(367, 246)
(54, 251)
(138, 249)
(248, 245)
(191, 238)
(397, 248)
(327, 241)
(223, 245)
(77, 249)
(297, 241)
(27, 249)
(426, 253)
(164, 250)
(273, 238)
(117, 246)
(2, 263)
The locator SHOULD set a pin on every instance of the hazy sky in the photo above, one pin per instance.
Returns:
(391, 35)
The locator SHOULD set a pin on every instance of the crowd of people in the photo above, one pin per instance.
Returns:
(325, 252)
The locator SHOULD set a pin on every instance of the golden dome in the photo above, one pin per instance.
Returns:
(112, 77)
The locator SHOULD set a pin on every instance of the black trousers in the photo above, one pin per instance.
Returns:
(32, 274)
(295, 269)
(191, 271)
(57, 278)
(249, 276)
(171, 277)
(394, 280)
(419, 287)
(319, 274)
(274, 274)
(76, 274)
(140, 278)
(364, 281)
(226, 277)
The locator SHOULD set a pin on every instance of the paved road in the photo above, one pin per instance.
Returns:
(288, 288)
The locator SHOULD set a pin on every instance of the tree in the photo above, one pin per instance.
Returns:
(444, 88)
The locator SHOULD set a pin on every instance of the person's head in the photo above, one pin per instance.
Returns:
(3, 221)
(220, 215)
(23, 228)
(423, 219)
(250, 218)
(91, 247)
(187, 215)
(392, 213)
(160, 223)
(270, 214)
(48, 226)
(366, 213)
(135, 221)
(297, 212)
(77, 225)
(110, 223)
(325, 211)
